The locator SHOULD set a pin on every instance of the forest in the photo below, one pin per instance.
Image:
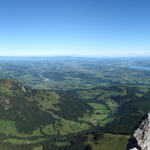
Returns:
(42, 109)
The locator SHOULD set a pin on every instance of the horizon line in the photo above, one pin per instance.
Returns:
(44, 56)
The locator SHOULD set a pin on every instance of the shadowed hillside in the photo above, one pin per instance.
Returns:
(42, 119)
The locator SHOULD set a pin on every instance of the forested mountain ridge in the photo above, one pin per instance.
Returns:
(41, 119)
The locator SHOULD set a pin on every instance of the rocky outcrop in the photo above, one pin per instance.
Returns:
(141, 135)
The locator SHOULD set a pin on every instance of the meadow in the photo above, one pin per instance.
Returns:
(71, 104)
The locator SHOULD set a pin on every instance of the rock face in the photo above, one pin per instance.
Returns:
(134, 149)
(142, 135)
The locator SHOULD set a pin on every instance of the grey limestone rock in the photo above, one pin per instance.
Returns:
(142, 135)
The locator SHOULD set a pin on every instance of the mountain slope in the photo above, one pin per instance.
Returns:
(57, 119)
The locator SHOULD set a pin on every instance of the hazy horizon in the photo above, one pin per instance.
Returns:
(81, 54)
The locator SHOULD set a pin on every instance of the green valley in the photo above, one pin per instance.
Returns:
(57, 118)
(84, 113)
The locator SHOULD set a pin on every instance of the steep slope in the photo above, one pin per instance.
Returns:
(129, 114)
(32, 109)
(49, 118)
(141, 136)
(16, 104)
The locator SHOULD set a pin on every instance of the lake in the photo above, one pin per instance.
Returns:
(140, 68)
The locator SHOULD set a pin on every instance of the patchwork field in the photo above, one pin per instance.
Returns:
(44, 118)
(71, 104)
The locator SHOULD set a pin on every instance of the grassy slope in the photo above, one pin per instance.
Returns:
(111, 142)
(52, 113)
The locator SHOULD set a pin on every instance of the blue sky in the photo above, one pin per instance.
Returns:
(75, 28)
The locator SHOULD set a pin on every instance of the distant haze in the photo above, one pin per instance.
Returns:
(80, 54)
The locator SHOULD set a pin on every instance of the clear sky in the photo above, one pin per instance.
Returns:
(74, 27)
